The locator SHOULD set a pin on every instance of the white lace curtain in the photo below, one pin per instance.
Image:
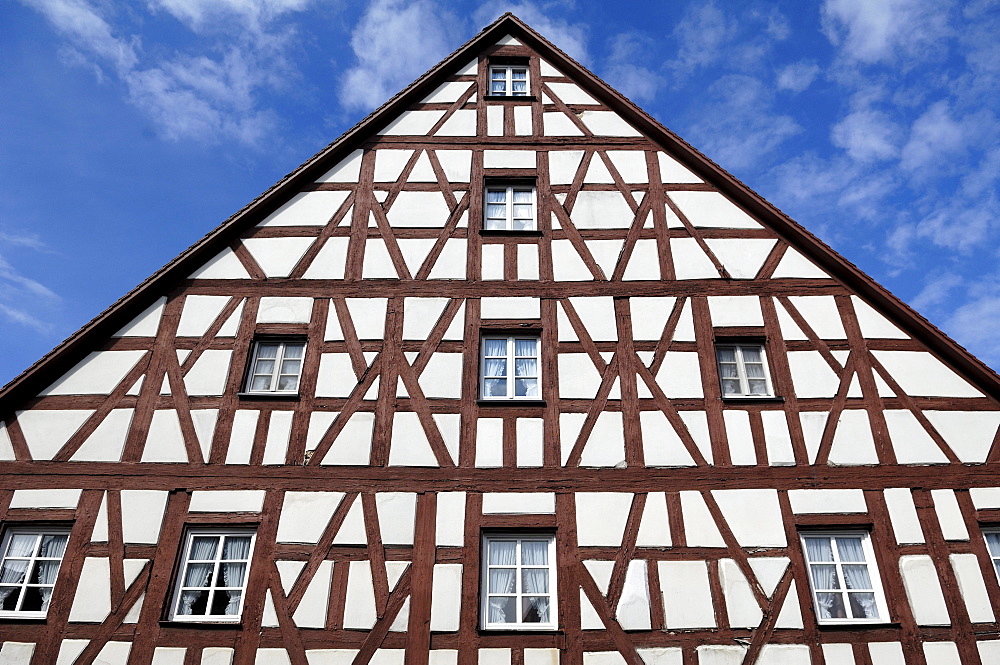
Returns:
(232, 573)
(536, 580)
(21, 545)
(198, 574)
(856, 576)
(502, 580)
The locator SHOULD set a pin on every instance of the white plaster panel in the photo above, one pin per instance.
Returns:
(777, 439)
(539, 657)
(448, 92)
(687, 594)
(449, 657)
(277, 256)
(822, 315)
(527, 261)
(509, 159)
(446, 597)
(530, 442)
(368, 316)
(510, 308)
(942, 653)
(450, 427)
(389, 164)
(489, 442)
(142, 515)
(494, 656)
(450, 523)
(690, 261)
(989, 650)
(165, 441)
(712, 210)
(311, 612)
(923, 589)
(812, 375)
(227, 501)
(922, 375)
(307, 209)
(97, 374)
(741, 605)
(347, 170)
(519, 503)
(69, 650)
(420, 315)
(649, 316)
(224, 265)
(886, 653)
(377, 262)
(242, 436)
(284, 310)
(18, 653)
(271, 656)
(853, 443)
(607, 123)
(494, 120)
(985, 498)
(735, 311)
(910, 441)
(680, 374)
(654, 527)
(589, 618)
(784, 654)
(335, 377)
(972, 587)
(603, 658)
(209, 374)
(903, 515)
(199, 313)
(92, 602)
(570, 93)
(968, 433)
(631, 165)
(598, 173)
(352, 530)
(554, 123)
(644, 263)
(461, 123)
(605, 446)
(147, 323)
(807, 502)
(873, 323)
(717, 654)
(442, 376)
(304, 515)
(409, 445)
(522, 121)
(795, 266)
(949, 515)
(753, 515)
(493, 262)
(671, 170)
(396, 515)
(578, 377)
(699, 525)
(412, 123)
(451, 263)
(232, 325)
(739, 437)
(790, 330)
(697, 425)
(567, 266)
(661, 445)
(813, 423)
(598, 317)
(790, 615)
(359, 610)
(661, 656)
(106, 443)
(614, 508)
(742, 257)
(633, 605)
(457, 164)
(605, 253)
(602, 210)
(54, 498)
(838, 654)
(563, 165)
(419, 210)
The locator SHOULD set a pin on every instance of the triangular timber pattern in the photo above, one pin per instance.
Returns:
(676, 513)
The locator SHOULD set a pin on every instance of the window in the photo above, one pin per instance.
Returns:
(31, 560)
(213, 575)
(993, 546)
(509, 81)
(276, 366)
(519, 581)
(510, 208)
(845, 583)
(743, 370)
(500, 354)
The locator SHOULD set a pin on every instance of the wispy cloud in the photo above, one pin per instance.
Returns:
(886, 30)
(627, 70)
(548, 18)
(21, 297)
(797, 76)
(867, 135)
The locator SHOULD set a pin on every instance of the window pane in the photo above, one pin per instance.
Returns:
(728, 371)
(725, 354)
(495, 388)
(288, 383)
(850, 549)
(496, 223)
(757, 386)
(830, 606)
(496, 196)
(856, 577)
(502, 580)
(526, 388)
(503, 553)
(199, 575)
(53, 546)
(500, 74)
(203, 548)
(825, 577)
(751, 354)
(525, 367)
(534, 553)
(495, 347)
(13, 571)
(731, 387)
(517, 74)
(261, 383)
(45, 572)
(993, 542)
(522, 210)
(502, 610)
(227, 602)
(522, 196)
(818, 549)
(524, 224)
(535, 580)
(267, 350)
(496, 211)
(193, 602)
(526, 347)
(534, 610)
(236, 548)
(291, 366)
(499, 87)
(35, 599)
(495, 367)
(754, 370)
(294, 350)
(232, 574)
(863, 605)
(265, 367)
(8, 597)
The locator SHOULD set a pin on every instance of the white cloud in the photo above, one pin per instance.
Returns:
(975, 324)
(624, 71)
(934, 134)
(937, 291)
(391, 51)
(873, 31)
(571, 38)
(797, 76)
(87, 30)
(867, 136)
(202, 15)
(20, 295)
(701, 33)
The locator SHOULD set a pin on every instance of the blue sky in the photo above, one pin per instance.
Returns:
(130, 129)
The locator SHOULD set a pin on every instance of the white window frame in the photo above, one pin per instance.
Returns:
(511, 358)
(484, 621)
(881, 607)
(509, 207)
(275, 374)
(508, 71)
(39, 533)
(212, 588)
(741, 370)
(994, 558)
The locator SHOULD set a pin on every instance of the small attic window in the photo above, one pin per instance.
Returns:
(509, 80)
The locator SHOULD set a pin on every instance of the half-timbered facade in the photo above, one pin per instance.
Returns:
(507, 375)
